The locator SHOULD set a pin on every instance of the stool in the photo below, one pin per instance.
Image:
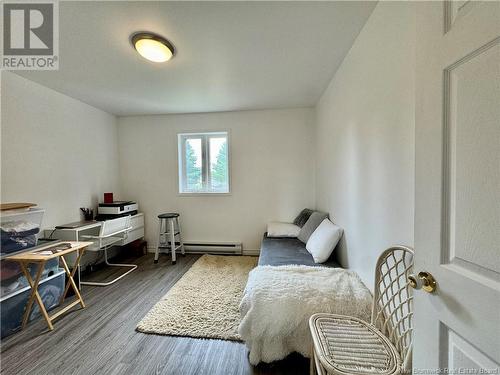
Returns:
(169, 228)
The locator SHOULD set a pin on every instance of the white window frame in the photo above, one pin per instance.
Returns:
(205, 163)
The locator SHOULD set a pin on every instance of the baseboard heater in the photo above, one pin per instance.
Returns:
(198, 247)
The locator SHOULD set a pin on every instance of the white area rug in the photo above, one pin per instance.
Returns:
(204, 302)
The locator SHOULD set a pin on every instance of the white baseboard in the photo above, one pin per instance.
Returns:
(152, 249)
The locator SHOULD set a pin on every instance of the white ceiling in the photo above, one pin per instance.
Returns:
(230, 55)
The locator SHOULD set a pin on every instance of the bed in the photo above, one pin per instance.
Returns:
(285, 289)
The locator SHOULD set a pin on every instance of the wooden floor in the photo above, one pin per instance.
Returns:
(101, 339)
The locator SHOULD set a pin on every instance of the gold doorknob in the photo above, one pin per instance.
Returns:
(428, 281)
(423, 280)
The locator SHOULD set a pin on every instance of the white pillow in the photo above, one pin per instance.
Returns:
(278, 229)
(323, 241)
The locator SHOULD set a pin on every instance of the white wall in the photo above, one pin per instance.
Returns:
(56, 151)
(272, 167)
(63, 154)
(365, 140)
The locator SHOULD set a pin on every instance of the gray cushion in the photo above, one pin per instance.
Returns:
(311, 224)
(304, 215)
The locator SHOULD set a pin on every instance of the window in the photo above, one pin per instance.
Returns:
(203, 162)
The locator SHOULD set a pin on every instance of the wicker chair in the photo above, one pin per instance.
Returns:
(347, 345)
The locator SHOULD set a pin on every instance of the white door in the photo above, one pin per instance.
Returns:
(457, 222)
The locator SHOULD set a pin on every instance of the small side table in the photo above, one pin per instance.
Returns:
(40, 256)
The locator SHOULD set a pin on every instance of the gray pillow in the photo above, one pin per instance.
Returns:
(304, 215)
(311, 224)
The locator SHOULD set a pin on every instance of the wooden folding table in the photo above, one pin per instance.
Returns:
(40, 256)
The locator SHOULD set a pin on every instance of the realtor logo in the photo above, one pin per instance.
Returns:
(30, 35)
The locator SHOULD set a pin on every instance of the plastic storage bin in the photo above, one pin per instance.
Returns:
(19, 229)
(13, 279)
(13, 305)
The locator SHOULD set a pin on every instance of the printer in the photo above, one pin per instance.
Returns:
(107, 211)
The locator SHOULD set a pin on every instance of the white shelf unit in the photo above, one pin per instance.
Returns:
(137, 231)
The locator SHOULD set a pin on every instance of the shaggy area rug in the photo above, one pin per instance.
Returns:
(204, 302)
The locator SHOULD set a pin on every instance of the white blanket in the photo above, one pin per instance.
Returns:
(278, 302)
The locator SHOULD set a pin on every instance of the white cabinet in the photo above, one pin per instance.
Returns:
(77, 233)
(137, 231)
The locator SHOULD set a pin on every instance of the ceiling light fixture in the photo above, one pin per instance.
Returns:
(152, 46)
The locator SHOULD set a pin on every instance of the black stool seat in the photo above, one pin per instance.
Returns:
(168, 215)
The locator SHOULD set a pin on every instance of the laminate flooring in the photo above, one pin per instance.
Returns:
(101, 339)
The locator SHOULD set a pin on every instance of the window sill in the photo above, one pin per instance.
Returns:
(204, 194)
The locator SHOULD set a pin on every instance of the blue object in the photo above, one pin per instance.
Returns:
(15, 241)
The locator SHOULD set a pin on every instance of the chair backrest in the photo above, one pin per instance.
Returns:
(115, 226)
(392, 311)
